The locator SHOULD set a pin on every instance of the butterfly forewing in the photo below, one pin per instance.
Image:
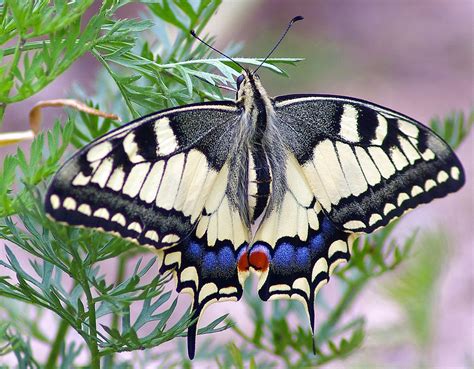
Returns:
(149, 179)
(365, 164)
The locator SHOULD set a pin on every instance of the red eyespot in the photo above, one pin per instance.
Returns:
(243, 262)
(258, 259)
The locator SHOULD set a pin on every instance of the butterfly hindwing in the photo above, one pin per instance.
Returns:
(205, 264)
(299, 244)
(365, 164)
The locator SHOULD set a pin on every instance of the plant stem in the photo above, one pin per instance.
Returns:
(91, 339)
(56, 348)
(92, 342)
(119, 85)
(122, 263)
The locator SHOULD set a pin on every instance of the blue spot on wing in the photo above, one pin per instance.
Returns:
(283, 259)
(303, 258)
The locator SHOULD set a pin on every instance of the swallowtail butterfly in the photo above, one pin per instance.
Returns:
(312, 171)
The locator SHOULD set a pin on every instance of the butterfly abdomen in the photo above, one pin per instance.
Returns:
(259, 183)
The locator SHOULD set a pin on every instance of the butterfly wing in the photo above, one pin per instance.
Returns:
(160, 181)
(351, 167)
(365, 164)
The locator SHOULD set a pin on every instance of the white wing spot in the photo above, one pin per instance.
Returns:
(442, 176)
(402, 198)
(120, 219)
(212, 230)
(135, 179)
(354, 177)
(165, 137)
(55, 201)
(371, 172)
(192, 180)
(354, 224)
(207, 290)
(302, 285)
(388, 208)
(320, 266)
(152, 182)
(348, 124)
(374, 218)
(190, 274)
(333, 180)
(428, 155)
(408, 128)
(218, 190)
(84, 209)
(224, 230)
(102, 173)
(297, 182)
(174, 257)
(131, 148)
(410, 152)
(171, 238)
(202, 226)
(99, 151)
(398, 158)
(382, 161)
(455, 172)
(168, 190)
(429, 184)
(152, 235)
(416, 190)
(81, 180)
(317, 185)
(288, 217)
(135, 226)
(380, 131)
(69, 203)
(279, 288)
(94, 165)
(336, 246)
(116, 179)
(228, 290)
(313, 219)
(102, 213)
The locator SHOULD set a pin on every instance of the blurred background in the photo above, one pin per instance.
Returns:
(413, 56)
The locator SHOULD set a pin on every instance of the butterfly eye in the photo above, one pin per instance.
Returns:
(240, 79)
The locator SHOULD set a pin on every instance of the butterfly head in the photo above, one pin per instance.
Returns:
(247, 84)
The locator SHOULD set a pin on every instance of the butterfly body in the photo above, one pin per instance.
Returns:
(281, 186)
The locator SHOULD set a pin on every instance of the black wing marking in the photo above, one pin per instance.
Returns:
(365, 164)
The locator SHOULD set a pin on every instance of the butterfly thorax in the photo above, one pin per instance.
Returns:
(258, 109)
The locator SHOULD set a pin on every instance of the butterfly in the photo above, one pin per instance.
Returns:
(310, 172)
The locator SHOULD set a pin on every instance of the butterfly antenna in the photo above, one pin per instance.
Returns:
(193, 33)
(295, 19)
